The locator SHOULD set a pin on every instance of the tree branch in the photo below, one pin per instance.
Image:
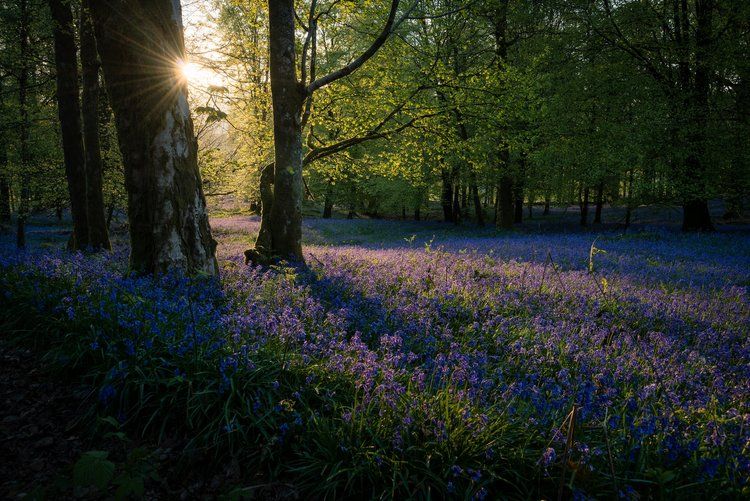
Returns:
(355, 64)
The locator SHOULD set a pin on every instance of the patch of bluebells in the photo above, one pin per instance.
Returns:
(657, 361)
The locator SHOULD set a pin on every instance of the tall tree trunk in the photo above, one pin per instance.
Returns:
(696, 216)
(287, 97)
(505, 216)
(141, 45)
(599, 202)
(585, 207)
(446, 197)
(69, 111)
(546, 204)
(23, 125)
(98, 234)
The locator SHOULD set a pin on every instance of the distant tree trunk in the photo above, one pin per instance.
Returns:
(352, 202)
(599, 203)
(518, 189)
(69, 111)
(23, 125)
(141, 45)
(585, 207)
(518, 213)
(496, 206)
(531, 207)
(446, 198)
(98, 234)
(328, 201)
(463, 134)
(478, 211)
(456, 204)
(327, 207)
(696, 216)
(629, 198)
(464, 197)
(417, 215)
(506, 212)
(4, 184)
(546, 204)
(4, 199)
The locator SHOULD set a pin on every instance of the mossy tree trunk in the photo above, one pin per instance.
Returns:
(141, 45)
(287, 97)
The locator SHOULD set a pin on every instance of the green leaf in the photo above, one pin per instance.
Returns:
(129, 486)
(93, 468)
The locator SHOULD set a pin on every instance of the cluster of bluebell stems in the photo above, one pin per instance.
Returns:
(650, 343)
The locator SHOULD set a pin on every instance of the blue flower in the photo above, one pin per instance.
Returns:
(107, 393)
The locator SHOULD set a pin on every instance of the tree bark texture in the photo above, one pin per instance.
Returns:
(287, 97)
(98, 234)
(69, 112)
(141, 45)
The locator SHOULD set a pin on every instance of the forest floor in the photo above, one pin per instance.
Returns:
(532, 316)
(37, 417)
